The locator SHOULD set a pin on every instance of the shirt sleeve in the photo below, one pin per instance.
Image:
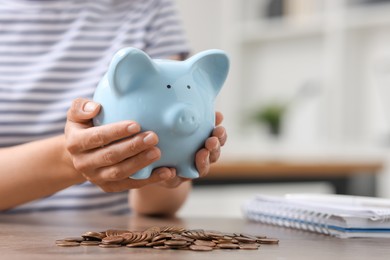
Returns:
(165, 36)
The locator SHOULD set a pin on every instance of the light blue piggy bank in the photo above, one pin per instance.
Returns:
(175, 99)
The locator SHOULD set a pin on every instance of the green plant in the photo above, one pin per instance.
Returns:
(271, 115)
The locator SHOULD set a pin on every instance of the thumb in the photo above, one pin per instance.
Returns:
(83, 110)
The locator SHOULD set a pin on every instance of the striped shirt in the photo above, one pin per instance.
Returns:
(53, 51)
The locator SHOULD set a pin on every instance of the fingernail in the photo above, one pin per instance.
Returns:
(207, 159)
(90, 107)
(165, 175)
(149, 139)
(133, 128)
(152, 154)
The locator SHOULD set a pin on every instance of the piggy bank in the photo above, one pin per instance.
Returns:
(175, 99)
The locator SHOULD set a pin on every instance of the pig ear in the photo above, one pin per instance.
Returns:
(212, 66)
(128, 68)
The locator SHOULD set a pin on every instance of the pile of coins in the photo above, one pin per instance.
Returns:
(168, 238)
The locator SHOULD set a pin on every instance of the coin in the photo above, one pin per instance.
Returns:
(109, 245)
(172, 229)
(127, 238)
(249, 246)
(68, 244)
(73, 239)
(204, 243)
(252, 237)
(90, 243)
(168, 237)
(91, 235)
(200, 248)
(156, 243)
(245, 240)
(59, 241)
(268, 241)
(138, 244)
(115, 232)
(175, 243)
(112, 240)
(162, 236)
(161, 247)
(228, 246)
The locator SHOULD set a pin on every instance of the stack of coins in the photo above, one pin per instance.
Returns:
(168, 238)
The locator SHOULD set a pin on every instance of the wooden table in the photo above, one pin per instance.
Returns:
(32, 237)
(340, 174)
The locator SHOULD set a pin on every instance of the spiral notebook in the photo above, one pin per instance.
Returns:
(342, 216)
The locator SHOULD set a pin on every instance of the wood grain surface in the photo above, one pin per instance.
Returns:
(33, 237)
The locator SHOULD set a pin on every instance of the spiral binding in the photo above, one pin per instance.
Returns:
(328, 219)
(287, 216)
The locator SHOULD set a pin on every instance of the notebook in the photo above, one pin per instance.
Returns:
(342, 216)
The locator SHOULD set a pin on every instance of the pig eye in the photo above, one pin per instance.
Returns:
(188, 86)
(169, 86)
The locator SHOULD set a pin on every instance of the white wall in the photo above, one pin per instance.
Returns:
(201, 19)
(208, 25)
(346, 54)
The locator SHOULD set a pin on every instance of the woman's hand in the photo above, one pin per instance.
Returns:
(107, 155)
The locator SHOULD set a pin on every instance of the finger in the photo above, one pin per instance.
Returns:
(220, 133)
(82, 110)
(116, 152)
(129, 166)
(165, 173)
(202, 162)
(218, 118)
(94, 137)
(157, 176)
(173, 180)
(212, 144)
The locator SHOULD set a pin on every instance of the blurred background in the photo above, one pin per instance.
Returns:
(309, 83)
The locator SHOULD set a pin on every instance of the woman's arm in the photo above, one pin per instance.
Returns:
(105, 155)
(158, 200)
(34, 170)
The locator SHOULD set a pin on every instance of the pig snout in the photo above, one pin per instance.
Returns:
(182, 120)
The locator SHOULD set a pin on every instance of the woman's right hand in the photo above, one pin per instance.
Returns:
(107, 155)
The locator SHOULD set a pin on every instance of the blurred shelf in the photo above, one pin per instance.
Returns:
(340, 165)
(279, 29)
(367, 17)
(263, 169)
(288, 28)
(341, 176)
